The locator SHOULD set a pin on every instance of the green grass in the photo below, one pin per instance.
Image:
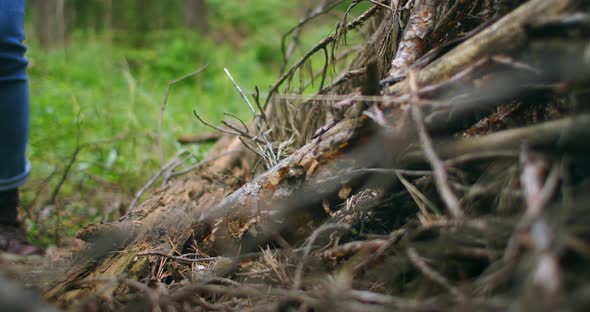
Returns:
(105, 93)
(108, 95)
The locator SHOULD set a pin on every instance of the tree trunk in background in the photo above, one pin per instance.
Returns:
(195, 16)
(49, 21)
(108, 14)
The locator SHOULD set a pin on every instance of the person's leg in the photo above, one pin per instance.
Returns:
(14, 167)
(14, 96)
(14, 119)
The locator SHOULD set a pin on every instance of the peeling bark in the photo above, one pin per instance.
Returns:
(414, 39)
(502, 37)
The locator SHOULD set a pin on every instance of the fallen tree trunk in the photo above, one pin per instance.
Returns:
(501, 38)
(363, 155)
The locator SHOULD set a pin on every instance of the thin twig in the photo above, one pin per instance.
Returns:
(256, 96)
(165, 103)
(73, 158)
(252, 149)
(322, 44)
(182, 258)
(546, 274)
(381, 5)
(440, 173)
(214, 126)
(241, 132)
(240, 91)
(479, 156)
(349, 249)
(394, 171)
(326, 8)
(309, 244)
(262, 292)
(324, 69)
(155, 177)
(270, 150)
(239, 120)
(405, 304)
(429, 272)
(199, 138)
(200, 164)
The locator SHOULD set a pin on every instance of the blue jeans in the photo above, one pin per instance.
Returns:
(14, 96)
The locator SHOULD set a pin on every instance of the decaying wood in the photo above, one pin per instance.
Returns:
(503, 37)
(230, 225)
(414, 39)
(147, 227)
(565, 135)
(372, 166)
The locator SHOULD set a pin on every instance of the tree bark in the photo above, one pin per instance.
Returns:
(49, 22)
(195, 15)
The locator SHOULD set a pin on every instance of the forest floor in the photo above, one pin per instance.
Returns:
(444, 168)
(106, 92)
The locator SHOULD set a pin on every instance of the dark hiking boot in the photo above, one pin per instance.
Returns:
(12, 237)
(8, 204)
(14, 240)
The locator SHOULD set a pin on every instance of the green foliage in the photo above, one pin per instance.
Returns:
(108, 94)
(253, 15)
(100, 98)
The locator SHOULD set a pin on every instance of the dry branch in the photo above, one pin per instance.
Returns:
(414, 39)
(318, 47)
(198, 138)
(502, 37)
(354, 213)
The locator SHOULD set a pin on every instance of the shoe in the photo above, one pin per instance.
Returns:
(14, 240)
(8, 204)
(12, 237)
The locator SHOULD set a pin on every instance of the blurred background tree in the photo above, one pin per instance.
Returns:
(50, 23)
(54, 18)
(195, 16)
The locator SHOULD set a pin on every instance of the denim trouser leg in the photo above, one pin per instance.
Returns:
(14, 113)
(14, 97)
